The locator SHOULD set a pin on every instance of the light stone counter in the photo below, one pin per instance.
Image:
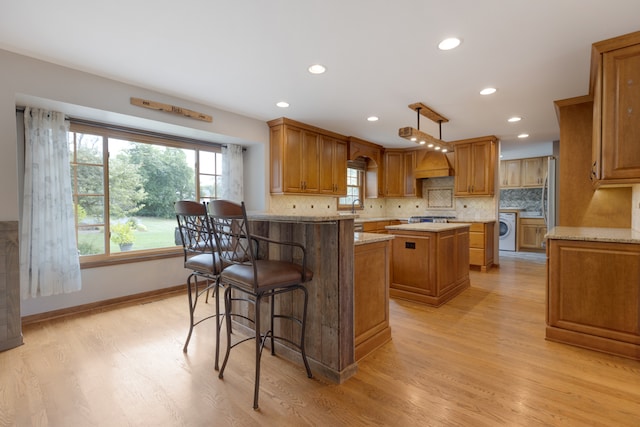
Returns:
(428, 226)
(265, 216)
(595, 234)
(364, 238)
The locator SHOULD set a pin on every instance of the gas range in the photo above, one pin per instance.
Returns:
(436, 219)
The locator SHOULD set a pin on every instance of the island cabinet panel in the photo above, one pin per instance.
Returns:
(330, 334)
(430, 267)
(594, 295)
(371, 296)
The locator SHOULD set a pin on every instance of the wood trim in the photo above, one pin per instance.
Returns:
(167, 108)
(108, 304)
(290, 122)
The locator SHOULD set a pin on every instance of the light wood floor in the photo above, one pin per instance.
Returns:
(480, 360)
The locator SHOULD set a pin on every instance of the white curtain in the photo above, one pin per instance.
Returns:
(232, 171)
(49, 262)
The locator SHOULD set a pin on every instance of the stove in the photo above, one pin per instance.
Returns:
(436, 219)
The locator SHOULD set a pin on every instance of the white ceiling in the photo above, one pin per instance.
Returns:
(381, 56)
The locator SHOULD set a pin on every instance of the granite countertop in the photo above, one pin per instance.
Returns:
(264, 216)
(383, 218)
(428, 226)
(483, 221)
(595, 234)
(364, 238)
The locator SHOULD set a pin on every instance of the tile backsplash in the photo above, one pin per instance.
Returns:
(437, 200)
(528, 199)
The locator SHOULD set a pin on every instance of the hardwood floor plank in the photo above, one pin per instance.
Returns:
(479, 360)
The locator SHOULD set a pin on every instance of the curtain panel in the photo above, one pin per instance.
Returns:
(49, 262)
(232, 172)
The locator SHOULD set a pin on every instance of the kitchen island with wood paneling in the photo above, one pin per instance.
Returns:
(329, 242)
(430, 261)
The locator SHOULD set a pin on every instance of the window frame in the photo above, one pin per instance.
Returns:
(136, 136)
(343, 202)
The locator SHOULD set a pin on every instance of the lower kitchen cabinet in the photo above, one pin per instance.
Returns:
(593, 292)
(378, 226)
(429, 267)
(531, 232)
(481, 244)
(372, 271)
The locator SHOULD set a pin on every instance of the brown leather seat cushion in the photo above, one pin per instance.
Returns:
(271, 274)
(204, 263)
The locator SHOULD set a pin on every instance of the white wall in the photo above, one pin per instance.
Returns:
(524, 150)
(26, 81)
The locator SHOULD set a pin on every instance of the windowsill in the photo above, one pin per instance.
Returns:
(132, 257)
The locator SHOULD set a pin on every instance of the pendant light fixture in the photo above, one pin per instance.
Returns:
(423, 138)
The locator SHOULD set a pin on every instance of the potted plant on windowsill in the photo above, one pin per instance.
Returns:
(122, 235)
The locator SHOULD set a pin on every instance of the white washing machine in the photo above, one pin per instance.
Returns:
(507, 231)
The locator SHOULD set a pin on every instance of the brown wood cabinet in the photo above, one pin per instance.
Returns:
(534, 171)
(333, 155)
(615, 82)
(372, 272)
(399, 177)
(475, 166)
(481, 244)
(305, 159)
(531, 232)
(594, 295)
(510, 173)
(430, 267)
(378, 226)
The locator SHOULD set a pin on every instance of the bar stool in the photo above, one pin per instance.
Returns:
(202, 258)
(250, 280)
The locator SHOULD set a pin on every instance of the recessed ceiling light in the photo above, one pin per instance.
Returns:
(523, 135)
(372, 118)
(317, 69)
(488, 91)
(514, 119)
(282, 104)
(450, 43)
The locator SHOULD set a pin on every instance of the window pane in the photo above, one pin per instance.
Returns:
(90, 179)
(89, 148)
(207, 186)
(208, 163)
(91, 240)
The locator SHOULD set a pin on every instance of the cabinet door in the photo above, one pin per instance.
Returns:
(293, 180)
(529, 236)
(462, 161)
(510, 173)
(481, 169)
(340, 168)
(327, 167)
(534, 171)
(621, 114)
(311, 162)
(411, 188)
(413, 256)
(393, 174)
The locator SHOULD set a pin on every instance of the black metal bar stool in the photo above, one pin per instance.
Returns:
(202, 258)
(249, 279)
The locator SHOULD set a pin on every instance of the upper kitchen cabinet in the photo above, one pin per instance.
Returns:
(333, 170)
(615, 84)
(534, 171)
(399, 178)
(306, 159)
(510, 173)
(474, 164)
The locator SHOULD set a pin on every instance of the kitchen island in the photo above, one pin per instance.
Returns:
(329, 242)
(593, 289)
(430, 261)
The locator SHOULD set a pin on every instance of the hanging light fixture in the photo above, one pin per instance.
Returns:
(423, 138)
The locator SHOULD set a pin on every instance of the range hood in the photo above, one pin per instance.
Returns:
(433, 164)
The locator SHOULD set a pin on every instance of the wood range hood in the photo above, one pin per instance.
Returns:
(433, 164)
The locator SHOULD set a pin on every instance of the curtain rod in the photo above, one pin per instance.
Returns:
(21, 109)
